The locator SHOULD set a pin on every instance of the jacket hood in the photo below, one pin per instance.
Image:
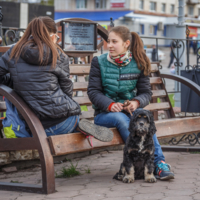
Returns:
(30, 54)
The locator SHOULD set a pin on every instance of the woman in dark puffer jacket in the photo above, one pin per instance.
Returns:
(39, 70)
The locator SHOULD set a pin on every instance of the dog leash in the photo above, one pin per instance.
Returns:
(127, 103)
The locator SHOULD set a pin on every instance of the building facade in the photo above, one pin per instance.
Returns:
(149, 18)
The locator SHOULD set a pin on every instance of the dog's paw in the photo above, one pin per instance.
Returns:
(151, 179)
(128, 179)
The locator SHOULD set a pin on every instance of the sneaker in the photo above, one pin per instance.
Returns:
(99, 132)
(162, 171)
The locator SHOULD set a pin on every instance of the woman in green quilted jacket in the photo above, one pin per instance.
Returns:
(122, 74)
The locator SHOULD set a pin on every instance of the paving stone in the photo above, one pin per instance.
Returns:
(62, 194)
(154, 189)
(187, 180)
(196, 196)
(89, 197)
(156, 196)
(125, 193)
(124, 186)
(197, 183)
(71, 182)
(61, 198)
(69, 187)
(185, 192)
(178, 198)
(181, 186)
(31, 198)
(100, 185)
(158, 183)
(119, 198)
(95, 191)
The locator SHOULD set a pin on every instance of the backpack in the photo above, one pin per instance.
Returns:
(13, 125)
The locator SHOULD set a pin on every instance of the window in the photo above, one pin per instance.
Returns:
(142, 29)
(190, 10)
(100, 4)
(152, 6)
(152, 29)
(172, 9)
(165, 31)
(163, 7)
(81, 4)
(141, 4)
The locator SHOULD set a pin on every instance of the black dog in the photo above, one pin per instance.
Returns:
(138, 161)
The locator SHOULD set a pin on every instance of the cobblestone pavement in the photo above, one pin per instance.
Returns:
(100, 185)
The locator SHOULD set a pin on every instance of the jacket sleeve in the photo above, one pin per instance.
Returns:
(63, 77)
(95, 89)
(143, 90)
(4, 72)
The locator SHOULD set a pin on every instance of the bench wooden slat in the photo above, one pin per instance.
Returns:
(77, 142)
(151, 107)
(155, 80)
(4, 49)
(87, 115)
(84, 69)
(79, 69)
(177, 126)
(158, 106)
(80, 86)
(83, 85)
(82, 100)
(90, 114)
(158, 93)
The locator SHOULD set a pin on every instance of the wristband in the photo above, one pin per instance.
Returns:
(110, 106)
(137, 101)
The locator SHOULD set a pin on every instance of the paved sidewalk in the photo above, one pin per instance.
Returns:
(100, 185)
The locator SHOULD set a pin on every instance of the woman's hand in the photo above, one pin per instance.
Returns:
(117, 107)
(132, 107)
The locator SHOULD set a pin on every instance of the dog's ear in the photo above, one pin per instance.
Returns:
(152, 127)
(132, 125)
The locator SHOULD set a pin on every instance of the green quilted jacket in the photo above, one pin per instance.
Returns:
(119, 83)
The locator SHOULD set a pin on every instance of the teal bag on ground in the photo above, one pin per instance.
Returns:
(13, 125)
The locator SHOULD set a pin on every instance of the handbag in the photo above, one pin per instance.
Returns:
(190, 101)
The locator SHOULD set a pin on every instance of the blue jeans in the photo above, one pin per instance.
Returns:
(67, 126)
(121, 122)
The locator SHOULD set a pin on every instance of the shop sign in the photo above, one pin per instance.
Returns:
(117, 3)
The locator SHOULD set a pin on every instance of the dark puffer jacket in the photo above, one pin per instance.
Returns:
(47, 91)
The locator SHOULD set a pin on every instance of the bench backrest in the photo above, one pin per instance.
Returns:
(158, 90)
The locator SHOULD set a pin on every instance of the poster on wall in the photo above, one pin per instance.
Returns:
(193, 31)
(117, 3)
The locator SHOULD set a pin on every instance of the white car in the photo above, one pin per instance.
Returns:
(161, 55)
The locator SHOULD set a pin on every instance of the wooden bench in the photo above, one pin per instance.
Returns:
(77, 142)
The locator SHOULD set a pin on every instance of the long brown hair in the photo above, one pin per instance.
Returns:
(136, 47)
(39, 28)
